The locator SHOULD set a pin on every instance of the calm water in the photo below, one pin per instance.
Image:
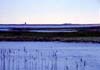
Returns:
(49, 56)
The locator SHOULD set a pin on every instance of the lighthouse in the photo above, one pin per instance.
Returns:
(25, 23)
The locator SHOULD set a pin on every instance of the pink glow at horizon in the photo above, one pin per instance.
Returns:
(49, 11)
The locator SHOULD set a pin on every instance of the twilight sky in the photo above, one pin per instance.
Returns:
(49, 11)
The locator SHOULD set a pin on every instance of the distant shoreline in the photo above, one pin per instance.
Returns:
(61, 37)
(45, 40)
(54, 41)
(62, 33)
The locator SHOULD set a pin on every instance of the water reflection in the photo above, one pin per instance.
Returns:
(44, 59)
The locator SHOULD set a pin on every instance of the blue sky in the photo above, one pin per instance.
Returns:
(49, 11)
